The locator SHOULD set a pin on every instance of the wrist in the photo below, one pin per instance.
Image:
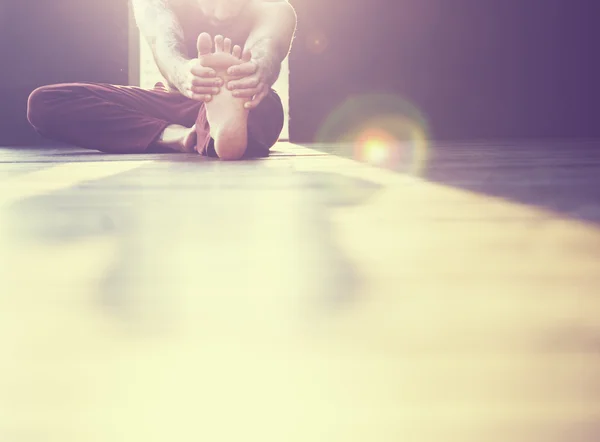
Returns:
(179, 73)
(268, 63)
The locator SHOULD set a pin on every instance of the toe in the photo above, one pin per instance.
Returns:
(246, 56)
(204, 44)
(237, 51)
(219, 43)
(227, 45)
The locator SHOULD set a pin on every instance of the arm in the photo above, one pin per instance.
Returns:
(269, 41)
(161, 29)
(271, 36)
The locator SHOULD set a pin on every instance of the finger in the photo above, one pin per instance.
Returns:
(227, 45)
(247, 93)
(201, 71)
(219, 43)
(189, 93)
(243, 70)
(201, 97)
(250, 92)
(247, 55)
(237, 51)
(207, 82)
(257, 99)
(243, 83)
(201, 90)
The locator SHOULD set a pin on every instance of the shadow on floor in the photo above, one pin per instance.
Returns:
(560, 176)
(142, 217)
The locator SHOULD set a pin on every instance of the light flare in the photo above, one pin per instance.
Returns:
(383, 130)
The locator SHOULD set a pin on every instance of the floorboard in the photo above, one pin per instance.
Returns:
(301, 297)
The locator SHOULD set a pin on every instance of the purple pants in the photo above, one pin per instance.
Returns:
(128, 119)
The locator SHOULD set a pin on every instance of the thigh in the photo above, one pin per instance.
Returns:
(108, 101)
(157, 103)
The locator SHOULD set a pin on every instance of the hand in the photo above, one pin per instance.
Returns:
(253, 82)
(199, 82)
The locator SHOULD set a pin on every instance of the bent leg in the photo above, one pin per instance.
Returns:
(265, 124)
(115, 119)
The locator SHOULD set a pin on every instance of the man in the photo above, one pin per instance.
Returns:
(220, 59)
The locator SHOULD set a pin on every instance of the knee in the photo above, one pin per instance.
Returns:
(38, 106)
(265, 124)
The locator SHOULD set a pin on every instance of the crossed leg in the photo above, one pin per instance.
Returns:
(128, 119)
(108, 118)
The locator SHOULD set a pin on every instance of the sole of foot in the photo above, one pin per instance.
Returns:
(226, 115)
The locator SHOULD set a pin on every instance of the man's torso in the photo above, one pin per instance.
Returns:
(194, 21)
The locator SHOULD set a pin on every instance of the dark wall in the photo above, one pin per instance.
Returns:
(46, 42)
(476, 69)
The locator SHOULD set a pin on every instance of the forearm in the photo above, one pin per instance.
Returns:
(271, 37)
(265, 54)
(161, 29)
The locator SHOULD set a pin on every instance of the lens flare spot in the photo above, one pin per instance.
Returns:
(383, 130)
(375, 147)
(317, 42)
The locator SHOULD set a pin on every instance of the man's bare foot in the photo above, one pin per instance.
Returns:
(226, 115)
(178, 138)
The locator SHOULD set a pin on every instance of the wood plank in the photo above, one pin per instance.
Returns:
(301, 297)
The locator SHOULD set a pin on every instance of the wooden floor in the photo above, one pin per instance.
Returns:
(303, 297)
